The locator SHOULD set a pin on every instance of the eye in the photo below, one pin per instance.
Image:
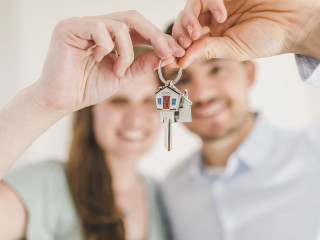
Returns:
(183, 80)
(118, 101)
(216, 70)
(150, 101)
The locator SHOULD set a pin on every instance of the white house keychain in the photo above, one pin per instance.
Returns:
(173, 105)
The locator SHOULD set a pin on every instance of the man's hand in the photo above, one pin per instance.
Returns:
(246, 29)
(90, 58)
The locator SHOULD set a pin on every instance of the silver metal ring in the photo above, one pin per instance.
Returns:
(162, 78)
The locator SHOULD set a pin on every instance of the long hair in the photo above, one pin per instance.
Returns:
(90, 183)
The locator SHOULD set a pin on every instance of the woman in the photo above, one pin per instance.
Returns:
(97, 194)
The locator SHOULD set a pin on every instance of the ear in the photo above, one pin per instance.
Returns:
(251, 71)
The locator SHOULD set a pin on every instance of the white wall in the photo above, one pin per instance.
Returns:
(25, 30)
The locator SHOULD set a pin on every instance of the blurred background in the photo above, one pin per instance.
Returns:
(25, 30)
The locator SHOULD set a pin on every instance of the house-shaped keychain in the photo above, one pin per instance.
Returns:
(173, 105)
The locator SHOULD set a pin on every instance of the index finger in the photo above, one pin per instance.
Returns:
(188, 24)
(164, 46)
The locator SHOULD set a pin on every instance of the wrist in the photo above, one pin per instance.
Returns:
(311, 45)
(40, 105)
(22, 121)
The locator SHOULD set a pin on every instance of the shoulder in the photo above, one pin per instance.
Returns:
(302, 140)
(37, 174)
(44, 167)
(44, 190)
(37, 181)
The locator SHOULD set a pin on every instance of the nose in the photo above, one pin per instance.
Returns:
(202, 89)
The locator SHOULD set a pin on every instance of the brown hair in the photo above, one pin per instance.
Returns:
(90, 181)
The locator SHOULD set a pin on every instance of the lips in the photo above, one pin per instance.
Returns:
(133, 135)
(209, 110)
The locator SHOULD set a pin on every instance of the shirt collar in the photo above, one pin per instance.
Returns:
(258, 144)
(196, 166)
(252, 151)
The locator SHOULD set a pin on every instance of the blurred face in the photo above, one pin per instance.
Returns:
(126, 124)
(219, 92)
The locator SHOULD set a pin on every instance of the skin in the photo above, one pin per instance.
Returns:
(246, 29)
(120, 130)
(220, 111)
(120, 121)
(80, 70)
(91, 76)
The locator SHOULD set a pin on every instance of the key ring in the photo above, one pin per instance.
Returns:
(162, 78)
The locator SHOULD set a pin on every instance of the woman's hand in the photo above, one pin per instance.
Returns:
(82, 67)
(245, 29)
(80, 70)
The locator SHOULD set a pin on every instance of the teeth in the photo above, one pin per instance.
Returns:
(214, 109)
(133, 134)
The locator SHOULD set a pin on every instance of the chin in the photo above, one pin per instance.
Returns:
(132, 155)
(209, 131)
(132, 151)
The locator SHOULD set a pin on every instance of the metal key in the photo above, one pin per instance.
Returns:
(173, 105)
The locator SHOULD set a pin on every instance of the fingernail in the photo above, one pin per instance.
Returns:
(99, 59)
(168, 49)
(181, 40)
(217, 14)
(122, 73)
(189, 29)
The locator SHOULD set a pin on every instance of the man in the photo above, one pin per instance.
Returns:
(250, 180)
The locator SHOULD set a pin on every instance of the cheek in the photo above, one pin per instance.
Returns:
(105, 116)
(238, 89)
(154, 121)
(105, 122)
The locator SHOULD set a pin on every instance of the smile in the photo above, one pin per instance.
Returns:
(133, 135)
(209, 110)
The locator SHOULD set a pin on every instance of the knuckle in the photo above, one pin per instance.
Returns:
(88, 18)
(209, 53)
(94, 26)
(140, 67)
(209, 50)
(161, 38)
(98, 26)
(63, 23)
(122, 27)
(109, 47)
(62, 27)
(134, 13)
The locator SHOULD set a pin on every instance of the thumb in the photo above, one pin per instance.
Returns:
(215, 47)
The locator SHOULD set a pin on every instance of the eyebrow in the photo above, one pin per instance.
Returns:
(174, 73)
(211, 60)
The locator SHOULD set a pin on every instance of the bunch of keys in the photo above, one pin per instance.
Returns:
(173, 105)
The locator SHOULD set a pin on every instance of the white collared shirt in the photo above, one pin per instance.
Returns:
(270, 190)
